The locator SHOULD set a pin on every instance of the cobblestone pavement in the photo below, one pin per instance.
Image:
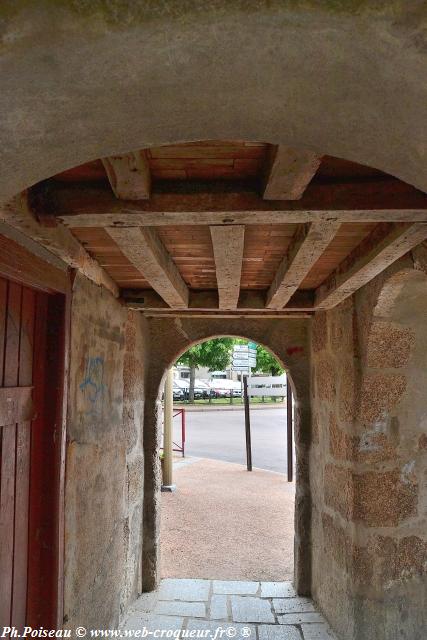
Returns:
(223, 609)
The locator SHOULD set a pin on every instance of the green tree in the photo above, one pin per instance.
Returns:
(214, 354)
(267, 363)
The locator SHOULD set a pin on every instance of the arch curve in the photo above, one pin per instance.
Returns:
(103, 78)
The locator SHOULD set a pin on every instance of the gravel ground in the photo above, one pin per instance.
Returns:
(225, 523)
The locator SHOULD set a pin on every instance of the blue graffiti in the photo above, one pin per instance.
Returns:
(93, 383)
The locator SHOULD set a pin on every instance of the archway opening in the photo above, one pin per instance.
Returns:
(229, 519)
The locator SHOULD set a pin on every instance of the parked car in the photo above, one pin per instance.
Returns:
(201, 389)
(178, 393)
(222, 388)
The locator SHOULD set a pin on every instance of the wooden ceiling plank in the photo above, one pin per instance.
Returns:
(129, 175)
(147, 253)
(386, 244)
(288, 172)
(308, 244)
(228, 244)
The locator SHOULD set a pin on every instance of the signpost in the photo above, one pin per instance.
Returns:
(244, 360)
(247, 425)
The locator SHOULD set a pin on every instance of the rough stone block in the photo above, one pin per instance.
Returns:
(135, 480)
(278, 632)
(319, 332)
(249, 609)
(152, 623)
(338, 488)
(235, 587)
(230, 630)
(380, 393)
(347, 391)
(184, 589)
(300, 618)
(181, 608)
(277, 590)
(384, 499)
(325, 377)
(293, 605)
(389, 345)
(218, 609)
(341, 333)
(317, 631)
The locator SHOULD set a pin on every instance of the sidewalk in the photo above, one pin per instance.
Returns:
(226, 523)
(229, 407)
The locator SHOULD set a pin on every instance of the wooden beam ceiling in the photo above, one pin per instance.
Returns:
(58, 240)
(289, 171)
(308, 244)
(145, 251)
(129, 175)
(84, 206)
(228, 245)
(386, 244)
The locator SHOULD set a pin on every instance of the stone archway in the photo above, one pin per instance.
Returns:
(288, 340)
(103, 78)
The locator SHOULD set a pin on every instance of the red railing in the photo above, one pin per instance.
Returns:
(175, 445)
(181, 448)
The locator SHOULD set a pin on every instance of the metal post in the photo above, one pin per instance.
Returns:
(183, 432)
(247, 426)
(168, 433)
(289, 420)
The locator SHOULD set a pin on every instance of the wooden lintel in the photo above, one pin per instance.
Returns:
(58, 240)
(289, 171)
(386, 244)
(147, 253)
(386, 200)
(129, 175)
(228, 243)
(308, 244)
(211, 313)
(207, 300)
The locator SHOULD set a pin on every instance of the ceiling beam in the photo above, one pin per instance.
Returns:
(250, 300)
(144, 249)
(289, 171)
(83, 206)
(228, 244)
(129, 175)
(386, 244)
(57, 240)
(306, 247)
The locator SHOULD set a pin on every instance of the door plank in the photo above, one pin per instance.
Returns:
(7, 504)
(22, 474)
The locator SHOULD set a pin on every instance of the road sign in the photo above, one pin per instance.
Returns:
(241, 347)
(244, 359)
(241, 362)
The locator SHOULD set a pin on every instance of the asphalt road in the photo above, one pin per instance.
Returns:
(220, 435)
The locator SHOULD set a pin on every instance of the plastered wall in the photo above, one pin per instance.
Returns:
(104, 464)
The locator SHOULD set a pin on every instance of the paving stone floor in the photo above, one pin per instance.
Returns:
(223, 609)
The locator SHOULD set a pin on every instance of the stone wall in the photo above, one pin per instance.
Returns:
(104, 465)
(369, 458)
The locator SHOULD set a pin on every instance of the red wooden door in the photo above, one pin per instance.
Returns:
(28, 441)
